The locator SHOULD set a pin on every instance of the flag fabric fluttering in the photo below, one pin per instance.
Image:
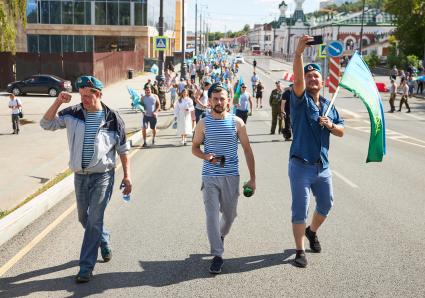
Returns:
(237, 94)
(358, 79)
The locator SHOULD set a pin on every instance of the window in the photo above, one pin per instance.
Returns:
(67, 12)
(79, 43)
(112, 13)
(68, 43)
(79, 12)
(124, 12)
(100, 11)
(44, 43)
(31, 11)
(44, 11)
(89, 43)
(140, 14)
(55, 12)
(88, 13)
(32, 42)
(55, 44)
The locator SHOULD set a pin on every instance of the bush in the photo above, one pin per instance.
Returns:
(413, 60)
(372, 60)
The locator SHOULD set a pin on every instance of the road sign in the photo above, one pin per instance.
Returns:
(335, 48)
(160, 43)
(322, 50)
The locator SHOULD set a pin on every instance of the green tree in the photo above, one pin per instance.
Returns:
(372, 60)
(12, 12)
(410, 25)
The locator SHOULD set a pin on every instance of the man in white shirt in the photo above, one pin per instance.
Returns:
(15, 105)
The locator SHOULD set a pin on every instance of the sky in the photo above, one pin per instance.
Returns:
(234, 14)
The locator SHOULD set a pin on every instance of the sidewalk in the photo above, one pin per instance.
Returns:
(35, 156)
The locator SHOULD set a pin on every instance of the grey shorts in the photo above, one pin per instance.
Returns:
(151, 120)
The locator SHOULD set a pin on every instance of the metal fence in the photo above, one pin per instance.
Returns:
(108, 67)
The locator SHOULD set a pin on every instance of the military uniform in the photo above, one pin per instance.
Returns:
(275, 102)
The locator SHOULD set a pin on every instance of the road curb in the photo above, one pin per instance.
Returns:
(15, 222)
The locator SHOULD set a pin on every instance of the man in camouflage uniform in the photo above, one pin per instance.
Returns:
(275, 102)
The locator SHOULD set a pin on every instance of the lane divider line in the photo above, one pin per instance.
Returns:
(345, 179)
(25, 250)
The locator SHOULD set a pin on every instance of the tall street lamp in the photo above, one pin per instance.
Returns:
(361, 30)
(182, 65)
(160, 76)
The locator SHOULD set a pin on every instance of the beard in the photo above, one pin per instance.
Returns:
(218, 109)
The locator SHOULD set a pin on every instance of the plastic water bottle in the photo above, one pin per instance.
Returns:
(247, 191)
(126, 198)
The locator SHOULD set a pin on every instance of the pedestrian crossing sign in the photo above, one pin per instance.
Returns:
(322, 50)
(160, 43)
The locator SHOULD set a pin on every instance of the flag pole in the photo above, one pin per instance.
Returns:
(332, 101)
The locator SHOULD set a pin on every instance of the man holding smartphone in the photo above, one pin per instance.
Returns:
(308, 158)
(95, 134)
(220, 132)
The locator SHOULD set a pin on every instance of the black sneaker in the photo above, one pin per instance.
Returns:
(216, 264)
(83, 277)
(106, 253)
(300, 259)
(314, 241)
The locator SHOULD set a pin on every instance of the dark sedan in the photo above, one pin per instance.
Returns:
(45, 84)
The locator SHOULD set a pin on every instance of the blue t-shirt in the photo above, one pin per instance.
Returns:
(310, 140)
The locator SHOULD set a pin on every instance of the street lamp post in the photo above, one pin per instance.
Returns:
(361, 30)
(182, 64)
(196, 28)
(160, 76)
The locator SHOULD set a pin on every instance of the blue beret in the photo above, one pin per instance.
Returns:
(207, 81)
(88, 81)
(312, 66)
(217, 87)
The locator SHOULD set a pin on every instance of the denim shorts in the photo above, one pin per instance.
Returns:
(149, 120)
(304, 177)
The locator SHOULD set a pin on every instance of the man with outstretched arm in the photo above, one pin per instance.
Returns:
(220, 132)
(95, 134)
(308, 158)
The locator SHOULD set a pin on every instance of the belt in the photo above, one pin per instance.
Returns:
(318, 162)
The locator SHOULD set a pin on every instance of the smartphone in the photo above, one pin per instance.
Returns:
(318, 39)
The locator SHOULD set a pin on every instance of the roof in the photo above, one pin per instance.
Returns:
(374, 17)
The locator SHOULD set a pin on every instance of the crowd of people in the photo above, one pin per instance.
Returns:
(203, 109)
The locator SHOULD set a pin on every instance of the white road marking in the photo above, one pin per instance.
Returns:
(345, 179)
(27, 248)
(415, 116)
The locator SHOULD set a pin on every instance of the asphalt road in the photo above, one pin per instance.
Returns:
(372, 242)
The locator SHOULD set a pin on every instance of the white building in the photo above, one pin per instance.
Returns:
(261, 35)
(378, 26)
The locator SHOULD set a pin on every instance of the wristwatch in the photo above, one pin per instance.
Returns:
(332, 127)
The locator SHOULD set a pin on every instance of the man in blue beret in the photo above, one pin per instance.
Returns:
(308, 168)
(220, 132)
(95, 134)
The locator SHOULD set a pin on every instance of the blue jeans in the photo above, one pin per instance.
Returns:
(303, 178)
(93, 193)
(199, 114)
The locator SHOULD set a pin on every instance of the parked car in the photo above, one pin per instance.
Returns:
(46, 84)
(239, 59)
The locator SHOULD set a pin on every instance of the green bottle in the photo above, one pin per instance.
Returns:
(247, 191)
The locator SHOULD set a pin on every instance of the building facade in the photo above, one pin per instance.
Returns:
(58, 26)
(346, 27)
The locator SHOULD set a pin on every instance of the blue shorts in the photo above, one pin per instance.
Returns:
(151, 120)
(303, 178)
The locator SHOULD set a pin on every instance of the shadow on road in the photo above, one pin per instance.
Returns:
(153, 274)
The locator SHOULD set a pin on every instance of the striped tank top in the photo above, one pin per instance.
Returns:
(221, 139)
(93, 121)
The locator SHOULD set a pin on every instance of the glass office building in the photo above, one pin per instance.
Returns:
(88, 16)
